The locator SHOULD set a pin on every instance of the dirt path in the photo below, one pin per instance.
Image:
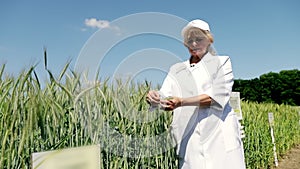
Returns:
(291, 160)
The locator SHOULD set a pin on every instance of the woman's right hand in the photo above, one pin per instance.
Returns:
(153, 97)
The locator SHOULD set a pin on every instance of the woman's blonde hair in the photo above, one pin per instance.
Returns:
(197, 32)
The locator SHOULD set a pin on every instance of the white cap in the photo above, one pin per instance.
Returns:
(197, 23)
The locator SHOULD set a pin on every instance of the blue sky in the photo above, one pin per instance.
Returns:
(260, 36)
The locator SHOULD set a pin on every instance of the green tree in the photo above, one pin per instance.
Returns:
(282, 87)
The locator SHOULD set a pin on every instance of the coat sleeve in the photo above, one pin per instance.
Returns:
(172, 84)
(166, 88)
(222, 82)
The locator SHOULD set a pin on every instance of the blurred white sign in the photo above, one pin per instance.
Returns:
(87, 157)
(235, 103)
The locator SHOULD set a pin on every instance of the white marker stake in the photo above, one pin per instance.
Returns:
(271, 122)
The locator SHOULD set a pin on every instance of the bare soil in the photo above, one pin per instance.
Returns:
(291, 160)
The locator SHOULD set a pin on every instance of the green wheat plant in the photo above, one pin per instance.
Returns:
(64, 112)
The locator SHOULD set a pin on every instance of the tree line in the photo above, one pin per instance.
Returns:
(280, 88)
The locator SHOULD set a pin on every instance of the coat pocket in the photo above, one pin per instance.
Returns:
(231, 132)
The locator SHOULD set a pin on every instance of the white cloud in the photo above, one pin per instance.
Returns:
(94, 23)
(100, 24)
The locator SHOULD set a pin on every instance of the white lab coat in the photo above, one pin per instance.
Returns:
(206, 137)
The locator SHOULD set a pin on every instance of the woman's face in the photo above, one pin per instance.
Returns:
(198, 45)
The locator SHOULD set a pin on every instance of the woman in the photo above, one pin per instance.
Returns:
(204, 125)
